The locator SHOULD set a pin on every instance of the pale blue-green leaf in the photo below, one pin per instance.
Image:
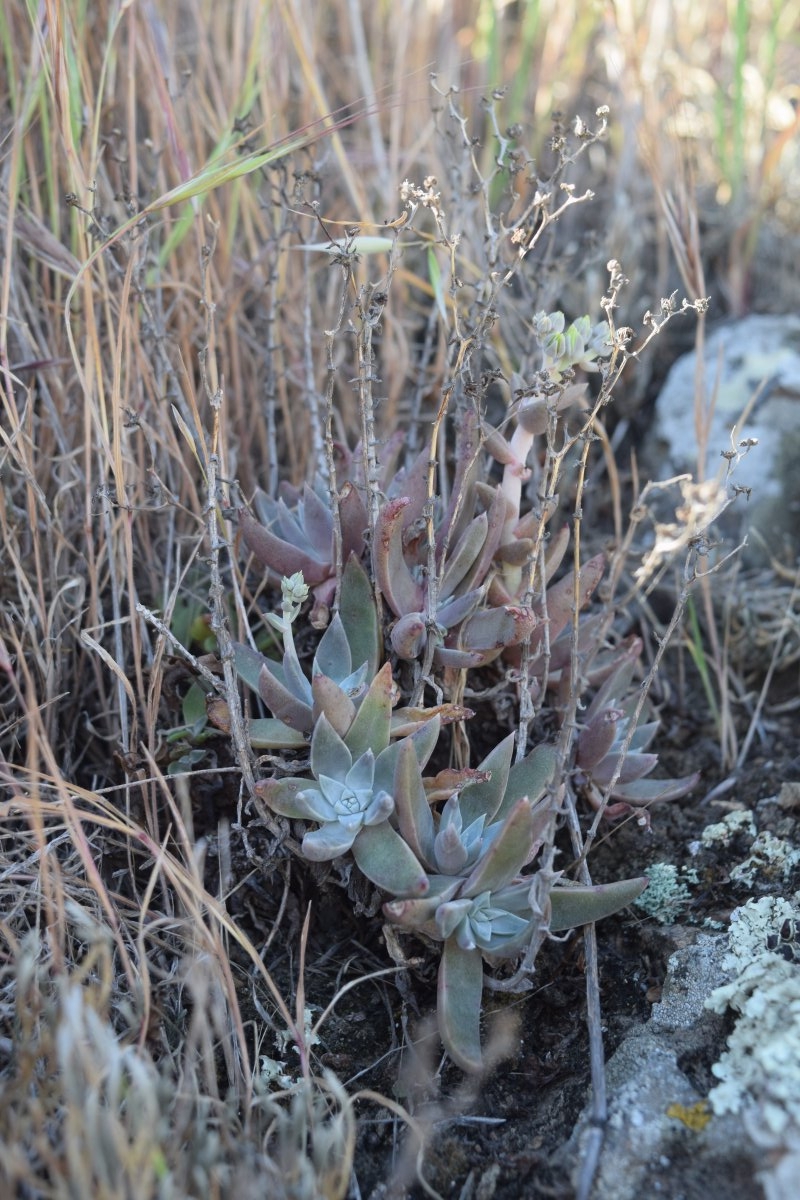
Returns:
(530, 777)
(370, 728)
(579, 905)
(383, 856)
(414, 817)
(331, 841)
(507, 854)
(460, 988)
(333, 652)
(359, 617)
(484, 799)
(329, 754)
(268, 733)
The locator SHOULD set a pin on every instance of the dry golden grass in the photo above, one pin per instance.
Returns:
(132, 137)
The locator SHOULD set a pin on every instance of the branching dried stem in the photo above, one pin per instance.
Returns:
(216, 591)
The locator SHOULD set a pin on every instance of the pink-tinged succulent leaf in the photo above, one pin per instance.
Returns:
(452, 612)
(561, 649)
(414, 486)
(382, 855)
(267, 733)
(462, 660)
(282, 703)
(533, 415)
(616, 685)
(329, 754)
(286, 526)
(497, 628)
(414, 817)
(515, 553)
(498, 446)
(274, 554)
(372, 723)
(460, 987)
(561, 596)
(406, 720)
(529, 778)
(485, 797)
(597, 737)
(507, 853)
(408, 636)
(655, 791)
(359, 617)
(643, 736)
(398, 586)
(461, 505)
(419, 914)
(333, 652)
(496, 518)
(318, 523)
(572, 906)
(556, 550)
(281, 796)
(461, 558)
(333, 702)
(353, 520)
(634, 768)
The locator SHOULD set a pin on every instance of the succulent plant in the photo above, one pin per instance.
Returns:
(566, 347)
(300, 539)
(605, 727)
(475, 900)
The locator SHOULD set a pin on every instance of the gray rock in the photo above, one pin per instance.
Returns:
(659, 1140)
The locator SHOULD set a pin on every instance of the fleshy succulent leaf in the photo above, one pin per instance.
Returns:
(530, 777)
(507, 853)
(333, 652)
(277, 555)
(597, 737)
(485, 798)
(268, 733)
(460, 988)
(463, 555)
(354, 521)
(372, 723)
(329, 753)
(333, 702)
(281, 796)
(497, 628)
(382, 855)
(423, 738)
(633, 769)
(359, 616)
(282, 702)
(414, 817)
(652, 791)
(248, 663)
(318, 523)
(408, 636)
(453, 611)
(401, 591)
(561, 596)
(572, 906)
(329, 841)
